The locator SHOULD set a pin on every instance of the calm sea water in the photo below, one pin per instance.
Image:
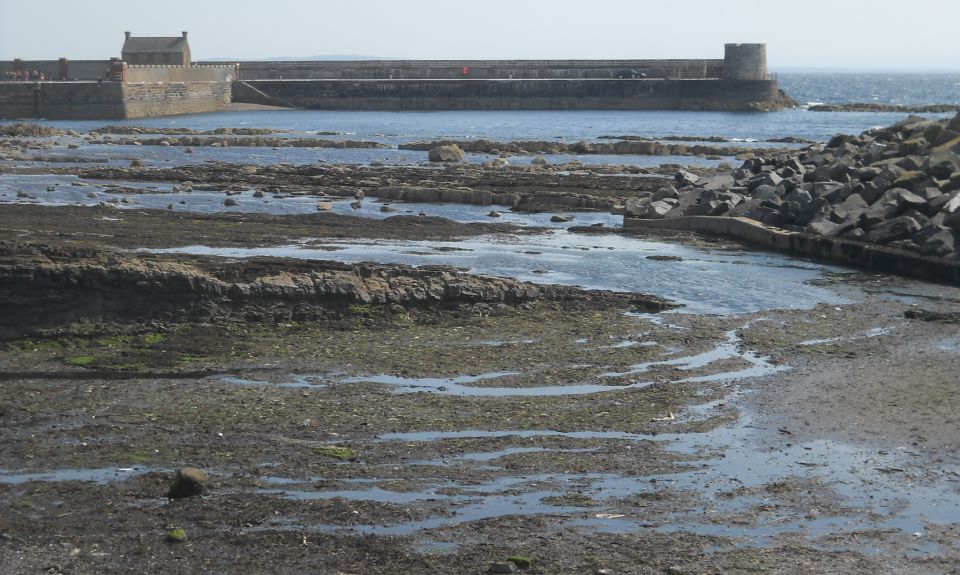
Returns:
(393, 128)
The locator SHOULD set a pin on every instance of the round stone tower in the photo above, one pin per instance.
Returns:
(745, 62)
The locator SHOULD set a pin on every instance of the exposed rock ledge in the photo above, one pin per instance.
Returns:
(43, 285)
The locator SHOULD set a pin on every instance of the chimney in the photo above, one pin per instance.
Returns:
(184, 35)
(127, 35)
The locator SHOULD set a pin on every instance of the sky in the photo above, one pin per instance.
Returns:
(830, 34)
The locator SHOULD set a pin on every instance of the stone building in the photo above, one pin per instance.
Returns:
(145, 50)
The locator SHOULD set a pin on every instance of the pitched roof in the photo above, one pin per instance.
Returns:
(143, 44)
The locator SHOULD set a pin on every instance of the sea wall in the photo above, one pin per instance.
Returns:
(60, 69)
(511, 94)
(842, 251)
(109, 100)
(146, 100)
(476, 69)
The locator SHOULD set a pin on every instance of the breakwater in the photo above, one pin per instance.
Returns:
(591, 94)
(739, 81)
(109, 100)
(110, 89)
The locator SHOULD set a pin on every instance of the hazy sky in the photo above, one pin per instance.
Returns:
(861, 34)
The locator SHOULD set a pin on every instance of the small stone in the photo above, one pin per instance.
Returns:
(136, 164)
(229, 202)
(188, 482)
(176, 536)
(502, 568)
(493, 214)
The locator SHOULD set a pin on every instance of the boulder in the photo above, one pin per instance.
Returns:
(826, 190)
(446, 153)
(954, 123)
(660, 208)
(799, 195)
(189, 481)
(665, 192)
(636, 206)
(717, 182)
(936, 241)
(766, 193)
(942, 164)
(558, 219)
(229, 202)
(827, 228)
(893, 229)
(685, 178)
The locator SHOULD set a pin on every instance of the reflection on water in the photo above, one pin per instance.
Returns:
(719, 282)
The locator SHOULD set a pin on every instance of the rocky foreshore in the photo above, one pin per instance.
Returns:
(874, 107)
(43, 284)
(625, 146)
(897, 186)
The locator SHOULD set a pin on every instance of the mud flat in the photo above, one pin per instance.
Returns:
(381, 418)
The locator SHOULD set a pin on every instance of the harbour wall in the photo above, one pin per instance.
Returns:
(838, 250)
(543, 94)
(109, 100)
(61, 69)
(477, 69)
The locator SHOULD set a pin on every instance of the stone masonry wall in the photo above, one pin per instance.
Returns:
(76, 69)
(109, 100)
(152, 74)
(478, 69)
(508, 95)
(146, 100)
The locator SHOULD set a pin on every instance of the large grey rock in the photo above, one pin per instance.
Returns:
(446, 153)
(906, 199)
(717, 182)
(665, 192)
(954, 123)
(947, 203)
(636, 206)
(800, 196)
(685, 178)
(766, 193)
(942, 164)
(811, 210)
(936, 241)
(826, 190)
(830, 229)
(660, 208)
(952, 220)
(893, 229)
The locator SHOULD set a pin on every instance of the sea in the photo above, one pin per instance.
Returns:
(756, 128)
(703, 280)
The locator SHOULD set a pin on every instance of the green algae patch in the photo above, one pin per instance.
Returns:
(342, 453)
(80, 360)
(176, 536)
(521, 561)
(154, 338)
